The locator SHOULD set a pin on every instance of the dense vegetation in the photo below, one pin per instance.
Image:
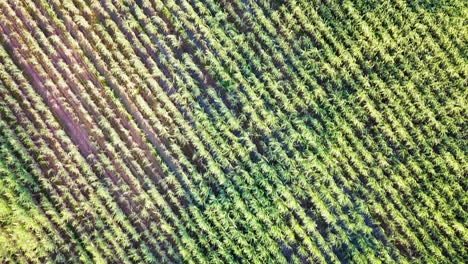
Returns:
(233, 131)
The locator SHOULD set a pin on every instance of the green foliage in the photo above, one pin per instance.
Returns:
(202, 131)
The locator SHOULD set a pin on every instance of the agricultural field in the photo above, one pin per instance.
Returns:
(233, 131)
